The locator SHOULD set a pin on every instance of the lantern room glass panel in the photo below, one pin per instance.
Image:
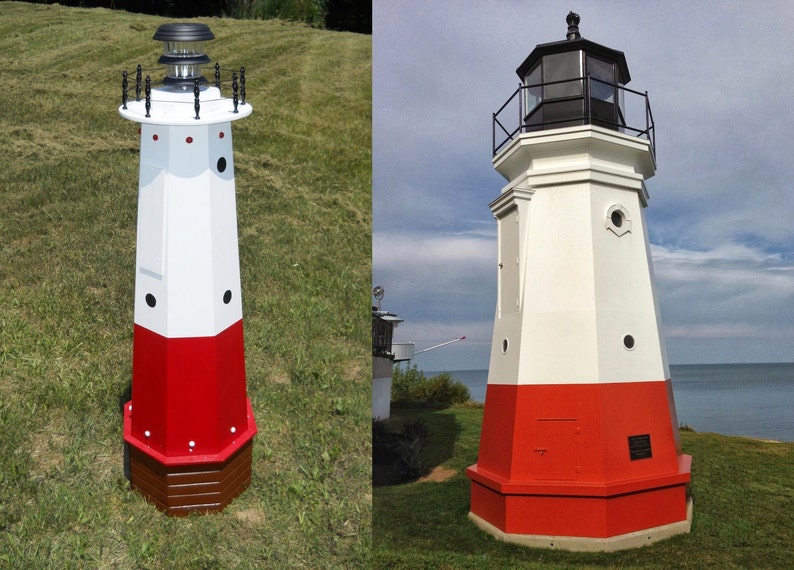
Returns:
(182, 48)
(534, 90)
(604, 110)
(602, 74)
(565, 67)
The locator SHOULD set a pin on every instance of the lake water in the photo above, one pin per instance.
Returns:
(754, 400)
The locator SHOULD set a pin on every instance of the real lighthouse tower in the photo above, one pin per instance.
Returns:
(189, 425)
(579, 446)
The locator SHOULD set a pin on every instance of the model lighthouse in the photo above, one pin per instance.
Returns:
(579, 446)
(189, 425)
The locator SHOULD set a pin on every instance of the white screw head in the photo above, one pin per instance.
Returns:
(147, 433)
(191, 444)
(130, 407)
(234, 429)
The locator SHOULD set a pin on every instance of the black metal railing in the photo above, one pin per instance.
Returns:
(575, 103)
(236, 79)
(382, 331)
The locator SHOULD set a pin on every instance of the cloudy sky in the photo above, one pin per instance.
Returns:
(720, 76)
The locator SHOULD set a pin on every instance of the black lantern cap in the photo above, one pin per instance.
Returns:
(576, 42)
(183, 32)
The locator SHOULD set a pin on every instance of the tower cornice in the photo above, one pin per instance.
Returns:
(541, 149)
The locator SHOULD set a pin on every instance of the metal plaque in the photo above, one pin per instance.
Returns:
(640, 446)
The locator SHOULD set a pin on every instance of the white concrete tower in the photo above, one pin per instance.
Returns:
(189, 425)
(579, 446)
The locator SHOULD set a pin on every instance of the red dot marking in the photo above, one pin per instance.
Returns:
(155, 137)
(220, 134)
(139, 131)
(189, 140)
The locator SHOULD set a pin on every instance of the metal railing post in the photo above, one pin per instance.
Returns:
(196, 101)
(493, 133)
(520, 109)
(242, 85)
(148, 96)
(124, 89)
(234, 92)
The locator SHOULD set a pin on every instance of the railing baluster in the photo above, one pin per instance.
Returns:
(124, 90)
(234, 91)
(148, 96)
(217, 75)
(138, 78)
(242, 85)
(196, 102)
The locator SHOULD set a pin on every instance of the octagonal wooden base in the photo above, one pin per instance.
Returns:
(180, 489)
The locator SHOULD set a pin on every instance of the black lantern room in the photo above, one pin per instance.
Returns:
(573, 82)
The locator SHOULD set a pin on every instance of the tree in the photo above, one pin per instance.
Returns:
(349, 16)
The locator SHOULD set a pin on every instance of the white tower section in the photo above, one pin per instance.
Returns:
(576, 301)
(187, 219)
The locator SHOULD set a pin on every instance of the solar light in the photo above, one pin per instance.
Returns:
(183, 53)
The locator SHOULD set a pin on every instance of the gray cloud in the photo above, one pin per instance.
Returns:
(719, 75)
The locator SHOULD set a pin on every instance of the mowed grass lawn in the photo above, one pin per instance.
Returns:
(69, 182)
(743, 491)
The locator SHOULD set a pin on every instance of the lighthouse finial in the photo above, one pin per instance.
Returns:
(573, 26)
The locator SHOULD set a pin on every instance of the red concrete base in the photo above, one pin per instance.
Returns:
(180, 489)
(580, 460)
(583, 510)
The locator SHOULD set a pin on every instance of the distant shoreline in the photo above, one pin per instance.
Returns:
(742, 400)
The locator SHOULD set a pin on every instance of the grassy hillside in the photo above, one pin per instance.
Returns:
(67, 266)
(743, 491)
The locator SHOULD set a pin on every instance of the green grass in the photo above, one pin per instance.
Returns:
(67, 256)
(743, 492)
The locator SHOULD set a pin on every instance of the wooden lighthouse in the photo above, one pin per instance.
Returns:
(189, 426)
(579, 446)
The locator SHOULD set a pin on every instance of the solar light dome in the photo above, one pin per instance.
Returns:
(183, 53)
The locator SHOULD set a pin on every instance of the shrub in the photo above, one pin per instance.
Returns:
(410, 387)
(395, 456)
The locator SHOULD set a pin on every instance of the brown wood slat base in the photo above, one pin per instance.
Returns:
(181, 489)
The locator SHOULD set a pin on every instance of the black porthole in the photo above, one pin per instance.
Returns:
(617, 218)
(628, 341)
(227, 297)
(221, 164)
(505, 345)
(150, 300)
